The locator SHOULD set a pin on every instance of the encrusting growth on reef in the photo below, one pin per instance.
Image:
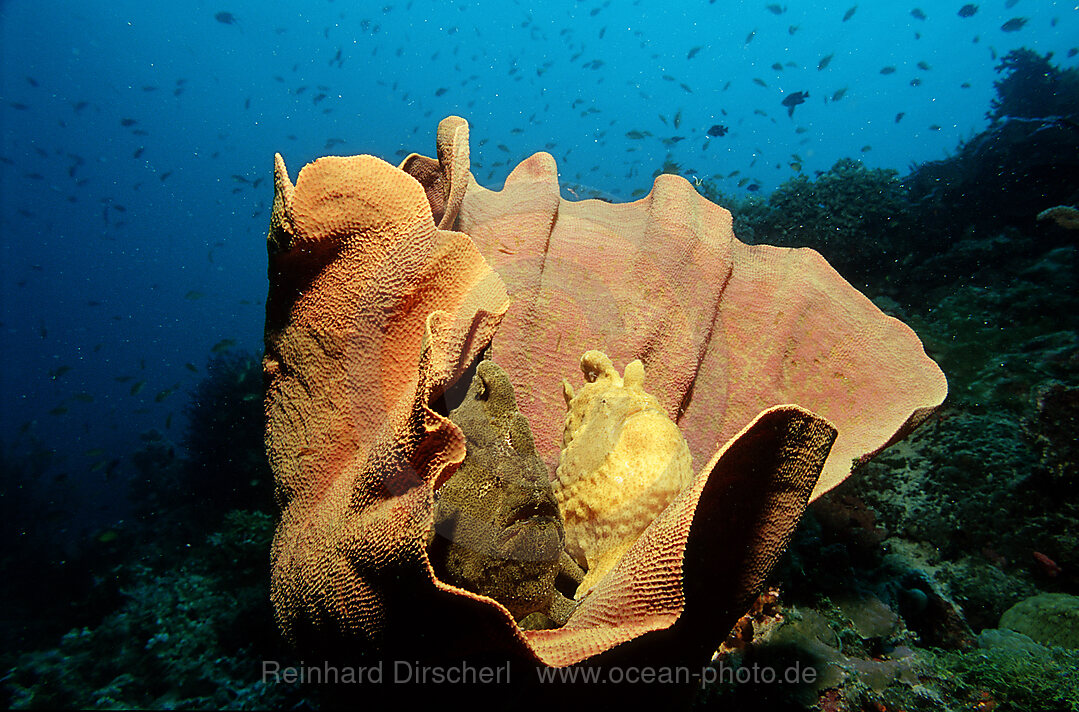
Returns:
(1065, 215)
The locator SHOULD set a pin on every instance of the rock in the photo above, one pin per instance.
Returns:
(992, 638)
(1048, 618)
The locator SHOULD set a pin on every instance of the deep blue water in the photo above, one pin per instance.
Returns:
(133, 135)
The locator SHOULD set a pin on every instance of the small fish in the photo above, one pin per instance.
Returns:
(1014, 25)
(968, 10)
(924, 66)
(226, 18)
(899, 116)
(849, 13)
(58, 371)
(678, 119)
(193, 295)
(191, 367)
(777, 67)
(717, 130)
(58, 410)
(794, 100)
(934, 127)
(775, 9)
(887, 70)
(139, 385)
(866, 148)
(753, 187)
(1009, 4)
(138, 151)
(759, 81)
(916, 82)
(824, 62)
(1048, 566)
(917, 14)
(838, 94)
(223, 345)
(693, 52)
(128, 122)
(440, 91)
(751, 35)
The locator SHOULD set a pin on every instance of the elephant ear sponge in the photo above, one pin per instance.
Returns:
(623, 460)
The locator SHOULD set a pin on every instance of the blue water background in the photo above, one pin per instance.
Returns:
(125, 268)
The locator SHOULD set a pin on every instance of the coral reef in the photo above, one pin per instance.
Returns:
(1065, 216)
(1032, 87)
(1003, 176)
(224, 465)
(1050, 429)
(1025, 162)
(186, 637)
(839, 213)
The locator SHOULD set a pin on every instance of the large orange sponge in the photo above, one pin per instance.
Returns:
(759, 354)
